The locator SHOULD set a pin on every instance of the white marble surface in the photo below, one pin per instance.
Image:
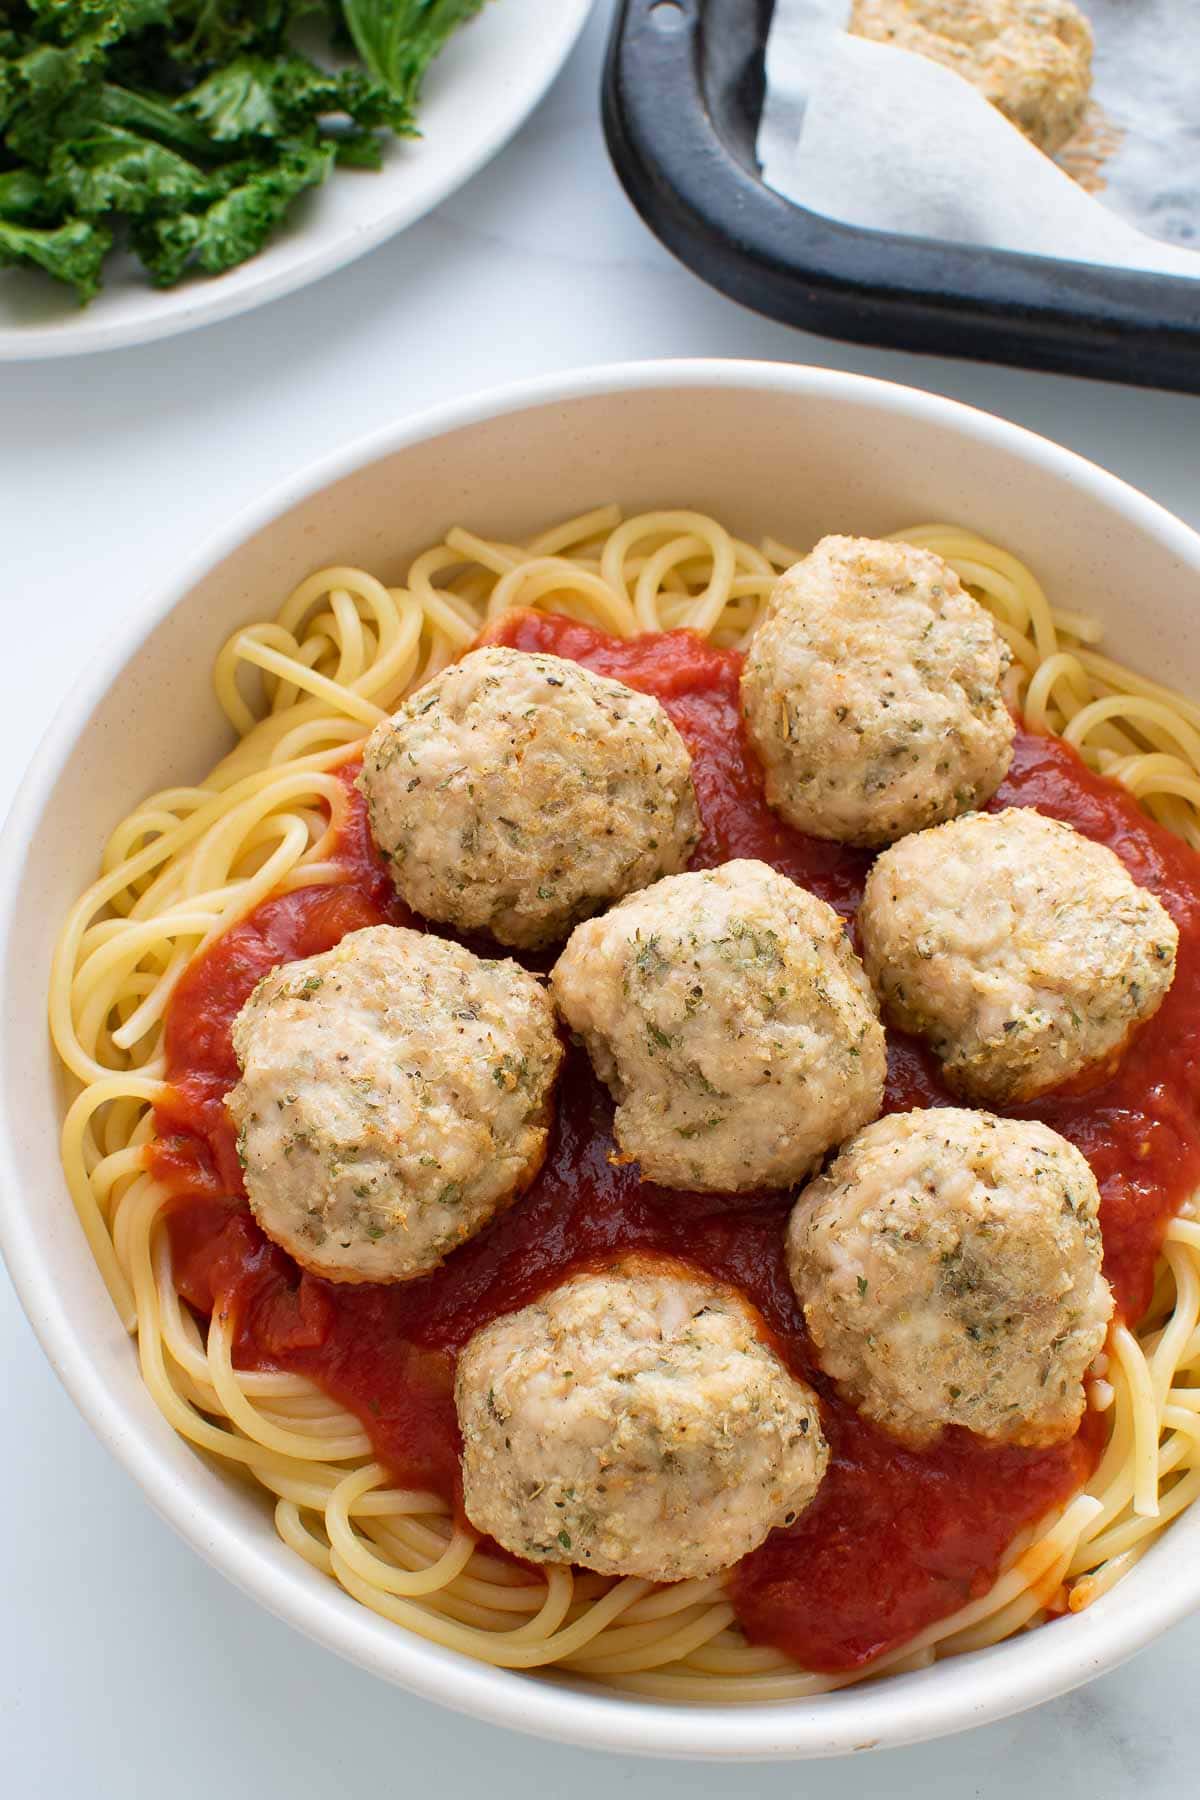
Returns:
(127, 1667)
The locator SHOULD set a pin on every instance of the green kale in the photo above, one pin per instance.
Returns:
(261, 96)
(398, 39)
(277, 96)
(358, 150)
(66, 21)
(108, 169)
(165, 121)
(73, 253)
(236, 225)
(190, 127)
(23, 198)
(212, 31)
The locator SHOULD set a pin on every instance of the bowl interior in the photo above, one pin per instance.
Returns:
(796, 453)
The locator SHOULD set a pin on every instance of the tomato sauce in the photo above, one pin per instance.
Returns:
(896, 1538)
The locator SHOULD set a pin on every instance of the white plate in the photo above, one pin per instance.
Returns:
(484, 85)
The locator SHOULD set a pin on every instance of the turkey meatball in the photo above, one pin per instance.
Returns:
(1022, 951)
(395, 1096)
(948, 1263)
(733, 1023)
(871, 693)
(1031, 58)
(634, 1421)
(516, 794)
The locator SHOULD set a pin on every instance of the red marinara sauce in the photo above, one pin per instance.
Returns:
(896, 1538)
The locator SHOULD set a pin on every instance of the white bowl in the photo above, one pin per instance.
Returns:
(789, 450)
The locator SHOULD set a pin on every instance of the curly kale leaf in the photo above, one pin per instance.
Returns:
(23, 198)
(398, 39)
(236, 225)
(108, 169)
(73, 252)
(210, 32)
(96, 21)
(37, 88)
(111, 104)
(274, 97)
(191, 125)
(259, 96)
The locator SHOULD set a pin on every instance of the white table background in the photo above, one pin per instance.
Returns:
(127, 1667)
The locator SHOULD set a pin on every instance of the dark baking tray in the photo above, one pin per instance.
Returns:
(683, 90)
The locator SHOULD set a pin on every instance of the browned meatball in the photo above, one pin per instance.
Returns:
(948, 1263)
(1031, 58)
(516, 794)
(872, 693)
(732, 1021)
(635, 1421)
(395, 1096)
(1021, 950)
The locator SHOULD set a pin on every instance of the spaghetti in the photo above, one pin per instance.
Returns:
(271, 822)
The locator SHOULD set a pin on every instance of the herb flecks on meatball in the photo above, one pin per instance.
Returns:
(1031, 58)
(1019, 949)
(635, 1421)
(733, 1023)
(872, 693)
(948, 1263)
(395, 1096)
(517, 794)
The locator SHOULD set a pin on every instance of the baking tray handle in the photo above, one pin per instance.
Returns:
(682, 93)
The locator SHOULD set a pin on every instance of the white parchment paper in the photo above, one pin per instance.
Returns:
(882, 138)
